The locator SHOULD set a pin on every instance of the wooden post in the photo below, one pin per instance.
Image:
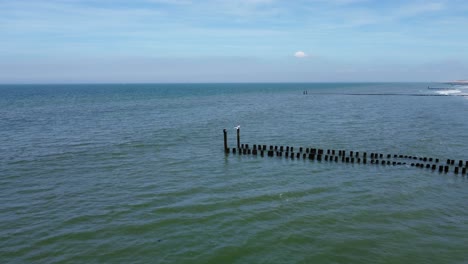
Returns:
(225, 141)
(238, 138)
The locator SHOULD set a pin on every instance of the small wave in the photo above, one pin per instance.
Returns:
(449, 92)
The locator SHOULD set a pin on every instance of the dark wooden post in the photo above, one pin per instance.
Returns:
(225, 141)
(238, 138)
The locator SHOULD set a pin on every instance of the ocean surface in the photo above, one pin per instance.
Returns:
(137, 174)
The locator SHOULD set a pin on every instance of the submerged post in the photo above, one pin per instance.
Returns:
(225, 140)
(238, 137)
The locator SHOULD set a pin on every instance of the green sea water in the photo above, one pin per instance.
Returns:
(137, 174)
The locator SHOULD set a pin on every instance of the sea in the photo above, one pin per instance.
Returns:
(137, 173)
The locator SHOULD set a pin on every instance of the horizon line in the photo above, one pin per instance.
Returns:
(255, 82)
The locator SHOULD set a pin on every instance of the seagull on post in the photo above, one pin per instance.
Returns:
(237, 127)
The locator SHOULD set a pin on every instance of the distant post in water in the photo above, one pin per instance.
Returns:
(225, 140)
(238, 137)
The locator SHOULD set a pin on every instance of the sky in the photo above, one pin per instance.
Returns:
(160, 41)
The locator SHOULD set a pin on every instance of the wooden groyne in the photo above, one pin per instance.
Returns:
(346, 156)
(441, 88)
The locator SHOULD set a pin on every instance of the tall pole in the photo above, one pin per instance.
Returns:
(238, 138)
(225, 140)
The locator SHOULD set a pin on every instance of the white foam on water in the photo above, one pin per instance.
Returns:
(463, 90)
(448, 92)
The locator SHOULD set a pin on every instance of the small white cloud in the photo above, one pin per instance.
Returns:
(300, 54)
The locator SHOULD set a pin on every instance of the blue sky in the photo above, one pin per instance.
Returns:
(82, 41)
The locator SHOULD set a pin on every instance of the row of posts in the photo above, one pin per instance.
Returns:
(344, 156)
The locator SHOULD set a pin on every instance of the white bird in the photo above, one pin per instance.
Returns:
(237, 127)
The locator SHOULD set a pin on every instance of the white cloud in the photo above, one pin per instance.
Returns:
(300, 54)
